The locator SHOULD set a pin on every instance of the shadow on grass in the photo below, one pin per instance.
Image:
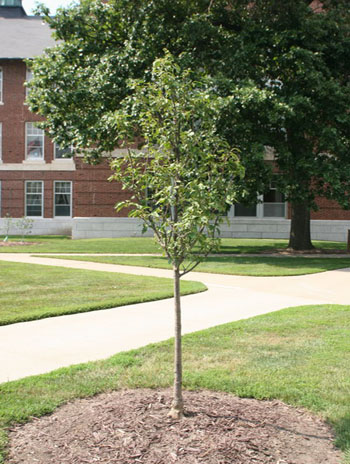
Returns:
(342, 432)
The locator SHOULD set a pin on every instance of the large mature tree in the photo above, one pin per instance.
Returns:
(285, 66)
(301, 52)
(183, 179)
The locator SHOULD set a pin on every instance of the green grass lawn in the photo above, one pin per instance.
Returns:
(252, 266)
(30, 292)
(63, 244)
(298, 355)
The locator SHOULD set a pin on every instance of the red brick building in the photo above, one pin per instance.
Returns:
(37, 179)
(64, 195)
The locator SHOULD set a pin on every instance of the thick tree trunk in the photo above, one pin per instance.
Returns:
(177, 407)
(300, 234)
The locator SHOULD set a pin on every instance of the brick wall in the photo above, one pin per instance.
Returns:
(93, 196)
(330, 210)
(14, 113)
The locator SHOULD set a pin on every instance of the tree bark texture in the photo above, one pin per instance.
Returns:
(177, 407)
(300, 233)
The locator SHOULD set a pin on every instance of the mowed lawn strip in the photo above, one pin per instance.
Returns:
(64, 244)
(29, 292)
(251, 266)
(298, 355)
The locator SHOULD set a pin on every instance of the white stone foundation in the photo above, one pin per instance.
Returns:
(41, 227)
(94, 227)
(235, 228)
(279, 228)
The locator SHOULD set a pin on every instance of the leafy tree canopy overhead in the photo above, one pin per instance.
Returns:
(285, 64)
(304, 56)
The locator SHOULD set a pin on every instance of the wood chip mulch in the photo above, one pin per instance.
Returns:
(132, 427)
(12, 244)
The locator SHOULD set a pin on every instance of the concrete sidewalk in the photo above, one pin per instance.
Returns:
(41, 346)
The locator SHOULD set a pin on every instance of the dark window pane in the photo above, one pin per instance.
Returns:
(34, 199)
(33, 210)
(62, 199)
(62, 210)
(245, 210)
(274, 210)
(63, 152)
(273, 196)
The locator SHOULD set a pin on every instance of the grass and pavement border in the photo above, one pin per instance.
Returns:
(298, 355)
(33, 291)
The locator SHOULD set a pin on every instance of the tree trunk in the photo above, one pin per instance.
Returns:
(176, 411)
(300, 234)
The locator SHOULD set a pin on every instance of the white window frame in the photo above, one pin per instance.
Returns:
(42, 135)
(61, 159)
(1, 86)
(26, 199)
(71, 199)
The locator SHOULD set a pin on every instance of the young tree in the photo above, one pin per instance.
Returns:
(183, 179)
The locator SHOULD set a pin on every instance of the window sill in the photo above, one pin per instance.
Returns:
(33, 161)
(38, 165)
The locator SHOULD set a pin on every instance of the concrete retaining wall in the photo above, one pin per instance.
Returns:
(94, 227)
(236, 228)
(41, 227)
(279, 228)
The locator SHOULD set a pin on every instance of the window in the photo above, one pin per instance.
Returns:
(34, 142)
(29, 77)
(245, 210)
(271, 205)
(63, 153)
(1, 80)
(34, 198)
(63, 199)
(0, 141)
(274, 203)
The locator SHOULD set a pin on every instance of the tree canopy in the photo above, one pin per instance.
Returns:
(185, 176)
(303, 55)
(285, 65)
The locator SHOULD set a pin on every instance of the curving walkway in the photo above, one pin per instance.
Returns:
(36, 347)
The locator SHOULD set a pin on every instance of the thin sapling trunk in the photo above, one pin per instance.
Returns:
(176, 410)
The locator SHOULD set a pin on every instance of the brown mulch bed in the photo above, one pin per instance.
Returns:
(132, 427)
(11, 244)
